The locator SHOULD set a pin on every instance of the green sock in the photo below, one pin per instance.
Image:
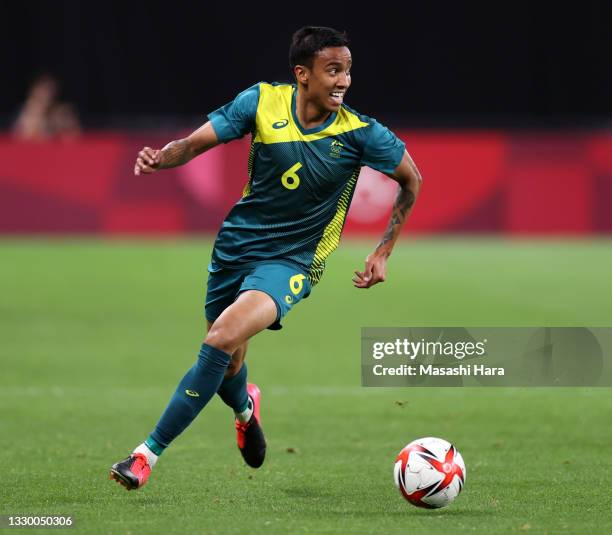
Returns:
(154, 446)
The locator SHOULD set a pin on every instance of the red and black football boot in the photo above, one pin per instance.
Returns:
(132, 472)
(250, 437)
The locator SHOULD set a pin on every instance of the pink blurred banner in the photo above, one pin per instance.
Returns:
(474, 181)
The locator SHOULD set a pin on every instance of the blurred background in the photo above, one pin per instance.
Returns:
(506, 109)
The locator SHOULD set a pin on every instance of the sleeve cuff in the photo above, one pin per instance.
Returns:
(223, 129)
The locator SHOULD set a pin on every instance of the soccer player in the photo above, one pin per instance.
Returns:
(307, 148)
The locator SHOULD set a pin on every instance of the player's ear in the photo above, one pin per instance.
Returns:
(301, 73)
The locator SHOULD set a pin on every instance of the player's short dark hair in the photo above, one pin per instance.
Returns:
(307, 41)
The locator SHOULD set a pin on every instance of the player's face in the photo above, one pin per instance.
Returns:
(330, 77)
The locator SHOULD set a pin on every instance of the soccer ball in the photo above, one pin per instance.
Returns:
(429, 472)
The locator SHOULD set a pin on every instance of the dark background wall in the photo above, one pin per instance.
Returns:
(415, 63)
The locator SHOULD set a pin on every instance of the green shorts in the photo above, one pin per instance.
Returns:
(285, 283)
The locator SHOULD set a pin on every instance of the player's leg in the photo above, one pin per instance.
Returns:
(233, 389)
(283, 284)
(286, 286)
(244, 398)
(251, 313)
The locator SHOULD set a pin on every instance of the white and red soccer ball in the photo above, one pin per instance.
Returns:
(429, 472)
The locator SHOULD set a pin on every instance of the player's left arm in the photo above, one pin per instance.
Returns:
(409, 180)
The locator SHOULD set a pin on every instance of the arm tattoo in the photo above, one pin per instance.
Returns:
(175, 153)
(402, 205)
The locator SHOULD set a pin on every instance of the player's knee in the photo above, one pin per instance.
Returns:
(223, 338)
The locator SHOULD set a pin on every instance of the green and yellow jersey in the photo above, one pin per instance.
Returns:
(301, 181)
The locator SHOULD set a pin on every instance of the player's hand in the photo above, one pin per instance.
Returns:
(148, 161)
(375, 271)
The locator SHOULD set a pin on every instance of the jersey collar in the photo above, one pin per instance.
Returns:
(305, 131)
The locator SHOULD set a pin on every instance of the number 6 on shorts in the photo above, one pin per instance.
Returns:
(296, 283)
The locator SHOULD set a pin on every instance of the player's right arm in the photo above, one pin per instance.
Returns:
(229, 122)
(177, 152)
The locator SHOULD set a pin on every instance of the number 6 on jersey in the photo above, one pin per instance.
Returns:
(290, 179)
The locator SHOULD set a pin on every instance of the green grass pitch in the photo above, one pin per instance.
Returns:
(95, 335)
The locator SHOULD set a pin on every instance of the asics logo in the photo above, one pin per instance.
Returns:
(192, 393)
(280, 124)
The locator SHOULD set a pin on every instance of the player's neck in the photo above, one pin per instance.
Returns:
(309, 115)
